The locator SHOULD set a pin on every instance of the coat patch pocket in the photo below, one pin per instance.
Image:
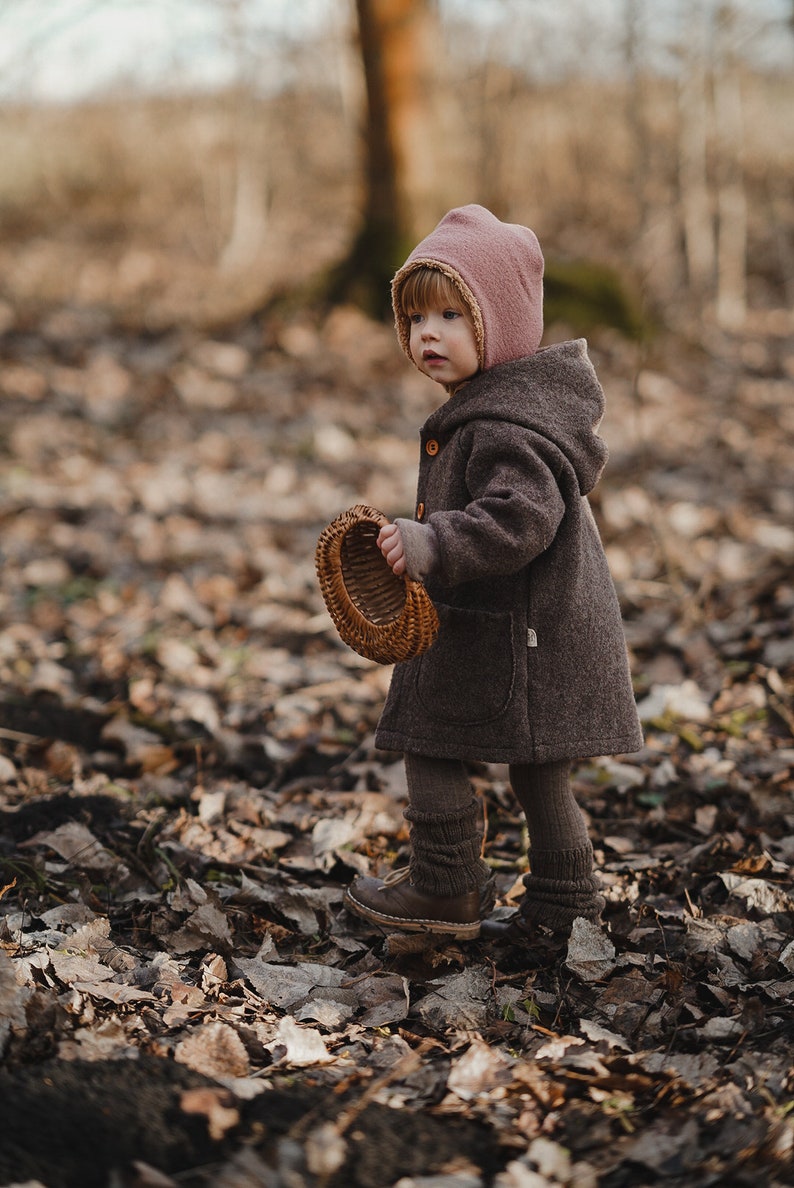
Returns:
(467, 676)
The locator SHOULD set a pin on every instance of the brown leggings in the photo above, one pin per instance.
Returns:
(446, 837)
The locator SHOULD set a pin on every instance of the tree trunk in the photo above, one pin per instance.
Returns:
(248, 222)
(731, 197)
(693, 106)
(402, 140)
(656, 260)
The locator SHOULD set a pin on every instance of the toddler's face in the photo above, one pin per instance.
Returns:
(443, 344)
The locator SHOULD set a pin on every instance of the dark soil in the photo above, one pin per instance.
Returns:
(86, 1125)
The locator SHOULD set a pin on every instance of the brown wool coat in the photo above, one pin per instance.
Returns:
(530, 664)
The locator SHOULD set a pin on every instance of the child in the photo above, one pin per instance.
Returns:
(530, 665)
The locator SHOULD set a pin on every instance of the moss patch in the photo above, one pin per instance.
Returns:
(585, 294)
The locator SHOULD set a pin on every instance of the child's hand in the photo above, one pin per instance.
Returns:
(390, 543)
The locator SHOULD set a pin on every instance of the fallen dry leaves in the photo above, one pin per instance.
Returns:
(188, 782)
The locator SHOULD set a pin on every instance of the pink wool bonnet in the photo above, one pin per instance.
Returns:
(498, 270)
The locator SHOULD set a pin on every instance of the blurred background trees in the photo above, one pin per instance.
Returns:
(648, 142)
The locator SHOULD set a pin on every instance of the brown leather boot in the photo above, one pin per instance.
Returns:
(396, 903)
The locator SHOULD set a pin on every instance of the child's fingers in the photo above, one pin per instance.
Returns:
(393, 552)
(390, 544)
(389, 539)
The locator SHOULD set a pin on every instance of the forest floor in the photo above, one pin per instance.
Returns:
(188, 781)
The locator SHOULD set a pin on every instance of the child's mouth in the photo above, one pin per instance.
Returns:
(431, 356)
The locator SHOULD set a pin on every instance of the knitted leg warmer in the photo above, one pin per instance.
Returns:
(446, 834)
(561, 884)
(445, 850)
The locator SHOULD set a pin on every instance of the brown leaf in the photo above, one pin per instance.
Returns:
(63, 760)
(215, 1050)
(215, 1105)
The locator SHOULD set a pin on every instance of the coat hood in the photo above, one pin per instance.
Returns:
(498, 269)
(554, 393)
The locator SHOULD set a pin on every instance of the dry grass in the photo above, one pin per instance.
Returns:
(202, 208)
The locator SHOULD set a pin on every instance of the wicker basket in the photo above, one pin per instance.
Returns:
(379, 615)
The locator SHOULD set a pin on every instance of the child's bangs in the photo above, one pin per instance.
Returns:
(428, 288)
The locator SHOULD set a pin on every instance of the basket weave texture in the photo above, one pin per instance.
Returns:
(379, 615)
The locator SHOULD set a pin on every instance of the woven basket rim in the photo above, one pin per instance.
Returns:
(410, 632)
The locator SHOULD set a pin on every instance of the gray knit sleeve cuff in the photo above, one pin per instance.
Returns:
(421, 548)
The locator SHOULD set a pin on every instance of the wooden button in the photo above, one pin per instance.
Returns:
(431, 447)
(420, 511)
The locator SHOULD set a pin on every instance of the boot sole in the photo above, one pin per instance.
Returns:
(402, 924)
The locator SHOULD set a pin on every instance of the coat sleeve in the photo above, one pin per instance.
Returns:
(421, 548)
(515, 508)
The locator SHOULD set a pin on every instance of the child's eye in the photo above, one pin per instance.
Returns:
(449, 314)
(415, 318)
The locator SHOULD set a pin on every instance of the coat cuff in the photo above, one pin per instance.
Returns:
(421, 548)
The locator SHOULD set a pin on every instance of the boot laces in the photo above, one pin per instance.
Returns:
(397, 876)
